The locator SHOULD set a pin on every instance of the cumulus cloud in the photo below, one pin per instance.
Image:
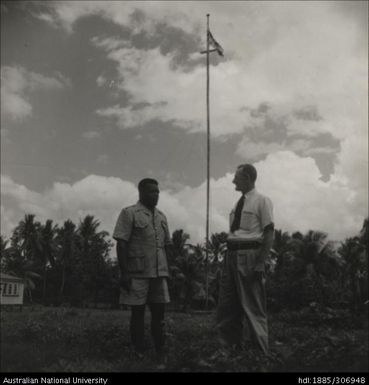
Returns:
(302, 201)
(94, 195)
(317, 79)
(309, 63)
(138, 16)
(17, 84)
(154, 97)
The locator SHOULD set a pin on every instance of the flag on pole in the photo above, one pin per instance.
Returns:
(215, 44)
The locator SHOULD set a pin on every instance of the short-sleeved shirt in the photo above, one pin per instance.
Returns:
(147, 234)
(257, 213)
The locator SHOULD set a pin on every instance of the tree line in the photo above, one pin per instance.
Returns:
(67, 264)
(71, 265)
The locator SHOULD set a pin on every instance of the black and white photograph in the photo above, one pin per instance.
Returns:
(184, 189)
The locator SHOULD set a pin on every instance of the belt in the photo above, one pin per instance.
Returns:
(234, 246)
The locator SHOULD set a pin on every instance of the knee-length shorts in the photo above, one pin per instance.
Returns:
(145, 290)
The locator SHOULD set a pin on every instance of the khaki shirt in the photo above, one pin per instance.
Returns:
(256, 214)
(147, 234)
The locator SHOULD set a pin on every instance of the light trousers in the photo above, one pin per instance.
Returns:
(242, 299)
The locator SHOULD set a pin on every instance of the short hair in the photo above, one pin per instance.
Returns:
(146, 181)
(249, 170)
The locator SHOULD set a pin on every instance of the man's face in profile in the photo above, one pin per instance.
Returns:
(241, 181)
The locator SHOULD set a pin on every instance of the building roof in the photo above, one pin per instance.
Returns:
(8, 277)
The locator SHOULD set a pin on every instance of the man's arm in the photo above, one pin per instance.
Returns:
(266, 245)
(122, 253)
(168, 244)
(169, 251)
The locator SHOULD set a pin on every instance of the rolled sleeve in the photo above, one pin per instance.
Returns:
(167, 237)
(123, 227)
(266, 212)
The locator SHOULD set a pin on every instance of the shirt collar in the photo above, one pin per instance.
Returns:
(250, 193)
(144, 208)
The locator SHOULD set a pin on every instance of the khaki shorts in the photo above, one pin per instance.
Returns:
(145, 290)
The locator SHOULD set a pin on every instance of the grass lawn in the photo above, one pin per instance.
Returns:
(85, 340)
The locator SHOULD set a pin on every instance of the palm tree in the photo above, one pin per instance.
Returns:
(37, 246)
(29, 282)
(216, 246)
(355, 254)
(27, 233)
(93, 250)
(47, 244)
(308, 269)
(191, 265)
(177, 277)
(186, 269)
(3, 244)
(280, 245)
(364, 233)
(26, 251)
(66, 240)
(179, 239)
(281, 241)
(3, 250)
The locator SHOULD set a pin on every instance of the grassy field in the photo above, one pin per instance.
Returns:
(84, 340)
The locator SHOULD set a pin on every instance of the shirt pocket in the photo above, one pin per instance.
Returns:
(141, 222)
(248, 219)
(136, 264)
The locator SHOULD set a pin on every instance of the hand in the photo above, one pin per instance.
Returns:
(125, 281)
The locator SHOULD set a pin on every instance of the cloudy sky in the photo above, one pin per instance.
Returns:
(97, 95)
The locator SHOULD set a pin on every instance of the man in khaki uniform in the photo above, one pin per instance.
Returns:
(242, 292)
(143, 240)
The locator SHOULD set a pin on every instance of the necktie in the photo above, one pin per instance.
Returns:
(237, 215)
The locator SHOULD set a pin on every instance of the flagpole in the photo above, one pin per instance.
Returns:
(208, 161)
(219, 49)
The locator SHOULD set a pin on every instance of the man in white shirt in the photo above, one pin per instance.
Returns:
(242, 293)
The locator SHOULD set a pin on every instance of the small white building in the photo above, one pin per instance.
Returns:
(11, 290)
